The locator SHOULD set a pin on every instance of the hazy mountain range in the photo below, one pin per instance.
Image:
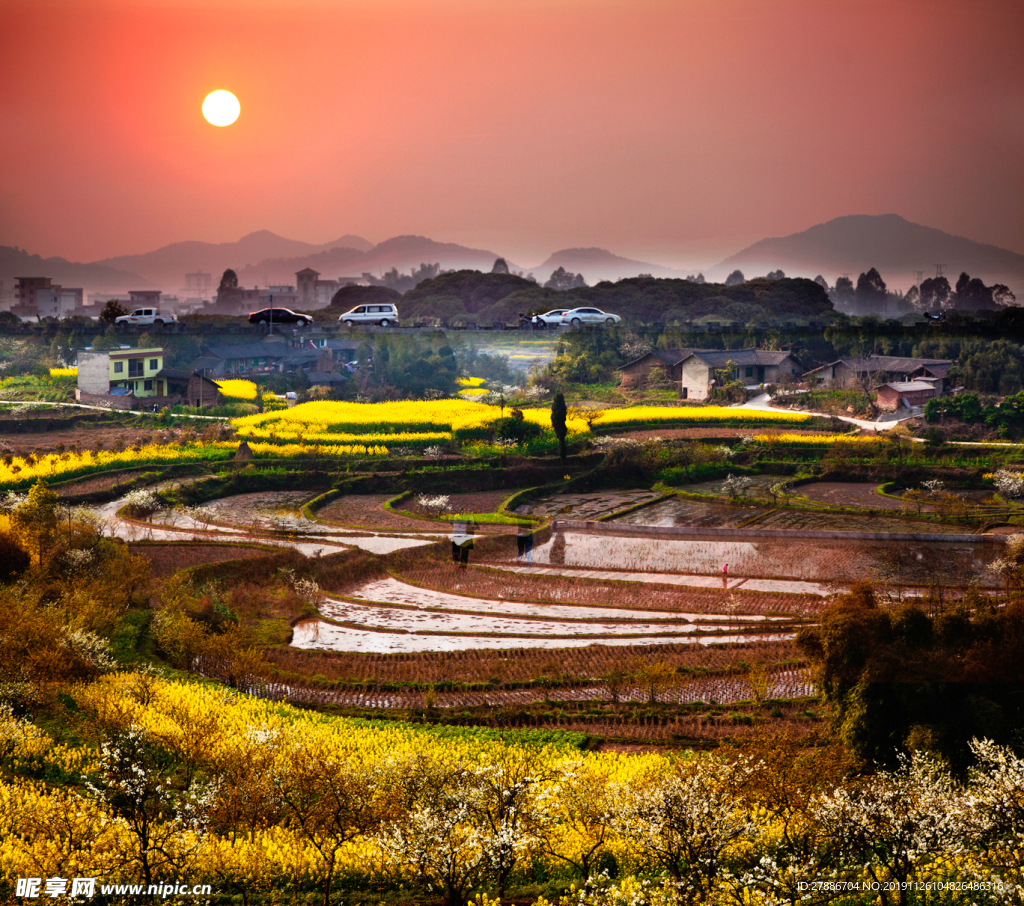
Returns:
(897, 247)
(843, 245)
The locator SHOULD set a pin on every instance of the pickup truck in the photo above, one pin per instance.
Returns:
(144, 317)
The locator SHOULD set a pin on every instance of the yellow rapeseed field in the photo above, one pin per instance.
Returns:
(667, 415)
(237, 389)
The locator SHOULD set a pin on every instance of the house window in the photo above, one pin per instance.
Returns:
(154, 364)
(148, 385)
(136, 367)
(118, 367)
(750, 372)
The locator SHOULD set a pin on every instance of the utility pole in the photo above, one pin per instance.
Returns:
(939, 268)
(918, 277)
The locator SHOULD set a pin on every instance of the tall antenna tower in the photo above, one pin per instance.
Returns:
(918, 277)
(939, 268)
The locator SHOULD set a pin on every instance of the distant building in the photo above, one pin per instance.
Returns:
(57, 301)
(198, 285)
(316, 293)
(305, 283)
(144, 298)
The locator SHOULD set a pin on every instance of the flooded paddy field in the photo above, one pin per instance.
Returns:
(828, 560)
(585, 506)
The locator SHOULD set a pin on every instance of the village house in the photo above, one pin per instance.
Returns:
(904, 395)
(875, 370)
(136, 378)
(661, 363)
(693, 370)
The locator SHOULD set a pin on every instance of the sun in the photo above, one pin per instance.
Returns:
(221, 108)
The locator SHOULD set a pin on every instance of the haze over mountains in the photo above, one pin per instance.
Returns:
(850, 244)
(897, 247)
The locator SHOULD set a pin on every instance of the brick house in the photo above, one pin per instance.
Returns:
(904, 394)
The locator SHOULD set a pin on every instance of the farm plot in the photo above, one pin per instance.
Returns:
(802, 558)
(684, 511)
(318, 634)
(784, 684)
(367, 511)
(808, 520)
(275, 511)
(757, 485)
(581, 666)
(556, 585)
(394, 592)
(584, 506)
(416, 620)
(852, 493)
(470, 502)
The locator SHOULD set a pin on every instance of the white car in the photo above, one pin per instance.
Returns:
(577, 317)
(551, 318)
(144, 317)
(385, 314)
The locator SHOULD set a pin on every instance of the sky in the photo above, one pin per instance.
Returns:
(675, 132)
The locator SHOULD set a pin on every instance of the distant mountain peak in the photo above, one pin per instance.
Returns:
(897, 247)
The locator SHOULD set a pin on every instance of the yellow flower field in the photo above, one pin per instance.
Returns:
(58, 467)
(342, 420)
(815, 440)
(237, 389)
(63, 372)
(667, 415)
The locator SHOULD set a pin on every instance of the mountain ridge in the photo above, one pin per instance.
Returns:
(894, 245)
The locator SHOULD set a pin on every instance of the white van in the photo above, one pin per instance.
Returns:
(385, 314)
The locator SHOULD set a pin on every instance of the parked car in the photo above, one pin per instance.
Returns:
(279, 316)
(385, 314)
(144, 317)
(577, 317)
(551, 318)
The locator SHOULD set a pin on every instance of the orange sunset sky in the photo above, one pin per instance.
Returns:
(677, 132)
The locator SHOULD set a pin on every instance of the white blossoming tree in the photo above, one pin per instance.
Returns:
(687, 820)
(894, 825)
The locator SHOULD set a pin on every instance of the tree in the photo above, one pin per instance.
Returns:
(228, 281)
(558, 416)
(843, 293)
(776, 275)
(500, 266)
(935, 292)
(688, 820)
(112, 311)
(871, 292)
(972, 294)
(735, 278)
(35, 520)
(330, 799)
(438, 835)
(562, 279)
